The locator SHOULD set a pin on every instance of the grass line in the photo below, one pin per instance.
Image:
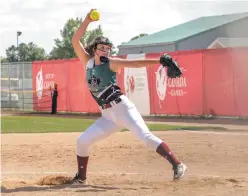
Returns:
(35, 124)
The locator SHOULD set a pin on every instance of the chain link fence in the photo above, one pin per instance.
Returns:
(16, 86)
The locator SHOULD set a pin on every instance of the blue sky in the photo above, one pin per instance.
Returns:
(41, 20)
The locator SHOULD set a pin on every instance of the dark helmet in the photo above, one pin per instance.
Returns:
(98, 40)
(103, 40)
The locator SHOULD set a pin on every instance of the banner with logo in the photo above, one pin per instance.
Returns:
(45, 75)
(177, 96)
(73, 93)
(136, 85)
(214, 82)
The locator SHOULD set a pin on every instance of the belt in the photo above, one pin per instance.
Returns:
(111, 104)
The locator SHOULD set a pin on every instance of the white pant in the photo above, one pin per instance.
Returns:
(123, 114)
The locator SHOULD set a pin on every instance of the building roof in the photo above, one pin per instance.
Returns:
(227, 42)
(185, 30)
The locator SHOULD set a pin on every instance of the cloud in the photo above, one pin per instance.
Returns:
(41, 21)
(50, 24)
(5, 6)
(139, 16)
(34, 4)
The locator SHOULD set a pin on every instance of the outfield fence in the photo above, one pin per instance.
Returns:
(214, 83)
(16, 86)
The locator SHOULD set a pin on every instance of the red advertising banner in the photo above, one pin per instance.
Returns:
(45, 74)
(120, 76)
(178, 96)
(69, 75)
(214, 82)
(79, 98)
(73, 92)
(226, 82)
(240, 83)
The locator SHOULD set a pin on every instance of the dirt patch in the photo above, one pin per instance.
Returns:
(54, 180)
(43, 164)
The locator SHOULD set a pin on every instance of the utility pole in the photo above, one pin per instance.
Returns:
(18, 33)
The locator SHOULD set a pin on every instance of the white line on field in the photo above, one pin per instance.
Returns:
(99, 173)
(217, 133)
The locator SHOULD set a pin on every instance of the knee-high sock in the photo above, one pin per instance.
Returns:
(82, 166)
(165, 152)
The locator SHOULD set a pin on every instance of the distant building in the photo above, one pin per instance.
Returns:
(228, 42)
(195, 34)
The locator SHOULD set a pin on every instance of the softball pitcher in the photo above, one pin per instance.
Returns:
(116, 109)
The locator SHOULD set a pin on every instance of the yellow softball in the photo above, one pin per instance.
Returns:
(95, 15)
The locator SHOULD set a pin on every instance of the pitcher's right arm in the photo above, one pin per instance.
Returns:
(77, 45)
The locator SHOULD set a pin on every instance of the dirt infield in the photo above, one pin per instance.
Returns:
(121, 165)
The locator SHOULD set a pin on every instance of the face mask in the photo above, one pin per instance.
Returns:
(104, 59)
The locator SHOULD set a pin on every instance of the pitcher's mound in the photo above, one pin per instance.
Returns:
(54, 180)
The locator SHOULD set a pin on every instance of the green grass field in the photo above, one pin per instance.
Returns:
(36, 124)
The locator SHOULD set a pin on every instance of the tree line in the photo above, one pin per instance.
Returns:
(62, 49)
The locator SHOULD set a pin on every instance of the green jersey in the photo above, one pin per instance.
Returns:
(101, 82)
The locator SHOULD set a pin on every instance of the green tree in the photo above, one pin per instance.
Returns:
(4, 59)
(92, 34)
(63, 48)
(25, 52)
(11, 54)
(138, 36)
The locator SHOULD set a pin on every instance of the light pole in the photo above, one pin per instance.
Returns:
(18, 33)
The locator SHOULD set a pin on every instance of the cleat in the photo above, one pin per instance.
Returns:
(179, 171)
(78, 180)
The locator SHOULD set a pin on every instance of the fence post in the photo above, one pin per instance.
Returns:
(23, 86)
(9, 84)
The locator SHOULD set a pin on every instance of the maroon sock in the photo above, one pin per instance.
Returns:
(165, 152)
(82, 166)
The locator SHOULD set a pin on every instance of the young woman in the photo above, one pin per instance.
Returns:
(116, 109)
